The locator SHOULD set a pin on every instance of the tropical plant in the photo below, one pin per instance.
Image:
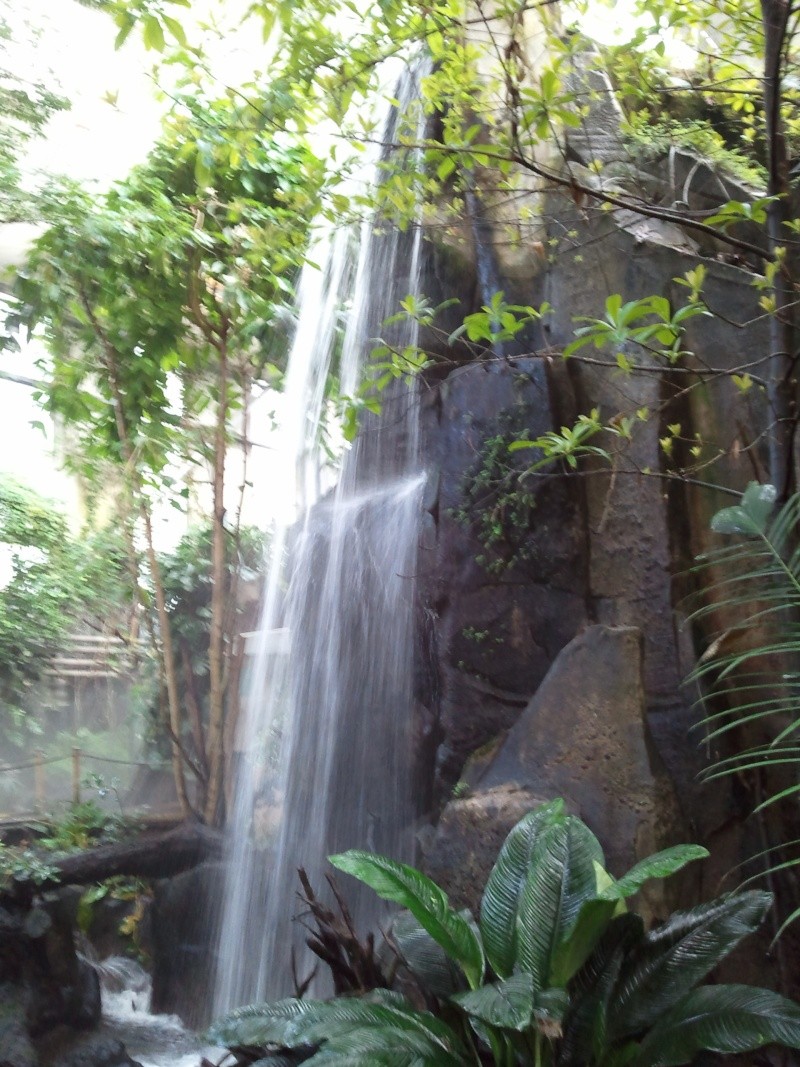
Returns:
(750, 672)
(556, 971)
(160, 304)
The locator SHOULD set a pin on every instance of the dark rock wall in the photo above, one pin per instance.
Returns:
(558, 630)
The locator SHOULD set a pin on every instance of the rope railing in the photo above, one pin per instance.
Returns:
(76, 756)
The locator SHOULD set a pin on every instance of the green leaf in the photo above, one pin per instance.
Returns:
(153, 33)
(426, 960)
(513, 1004)
(570, 955)
(503, 894)
(725, 1018)
(660, 865)
(176, 29)
(258, 1025)
(425, 900)
(673, 958)
(508, 1004)
(389, 1025)
(751, 516)
(561, 879)
(593, 991)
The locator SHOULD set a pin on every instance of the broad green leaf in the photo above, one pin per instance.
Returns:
(561, 879)
(425, 900)
(257, 1025)
(342, 1019)
(673, 958)
(596, 914)
(751, 516)
(570, 955)
(507, 1004)
(593, 989)
(503, 894)
(176, 29)
(724, 1018)
(152, 33)
(660, 865)
(426, 960)
(513, 1004)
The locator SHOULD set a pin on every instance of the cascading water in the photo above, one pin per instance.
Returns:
(325, 746)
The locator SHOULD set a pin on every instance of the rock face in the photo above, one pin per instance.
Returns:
(504, 579)
(584, 736)
(470, 834)
(184, 939)
(45, 986)
(555, 647)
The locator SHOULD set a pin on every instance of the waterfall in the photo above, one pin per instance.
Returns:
(324, 751)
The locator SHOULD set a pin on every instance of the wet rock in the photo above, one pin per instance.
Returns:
(99, 1051)
(503, 574)
(62, 988)
(184, 942)
(584, 737)
(16, 1049)
(470, 834)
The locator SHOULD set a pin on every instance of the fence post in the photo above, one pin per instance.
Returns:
(38, 780)
(76, 775)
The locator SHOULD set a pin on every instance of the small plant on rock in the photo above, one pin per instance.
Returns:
(556, 972)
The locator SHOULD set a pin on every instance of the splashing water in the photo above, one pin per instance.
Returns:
(152, 1040)
(324, 759)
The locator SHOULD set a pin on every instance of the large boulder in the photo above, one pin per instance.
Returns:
(469, 836)
(100, 1050)
(583, 737)
(184, 928)
(16, 1049)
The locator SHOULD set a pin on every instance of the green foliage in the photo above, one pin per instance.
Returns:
(496, 504)
(498, 321)
(652, 138)
(24, 864)
(26, 105)
(558, 972)
(83, 825)
(54, 581)
(187, 579)
(141, 287)
(649, 323)
(749, 671)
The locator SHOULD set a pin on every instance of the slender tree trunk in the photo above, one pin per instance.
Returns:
(167, 656)
(216, 652)
(193, 707)
(782, 385)
(170, 673)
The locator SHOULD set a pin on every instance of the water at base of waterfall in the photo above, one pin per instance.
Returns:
(151, 1040)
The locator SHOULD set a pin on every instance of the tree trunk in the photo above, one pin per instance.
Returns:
(156, 855)
(167, 656)
(781, 387)
(216, 651)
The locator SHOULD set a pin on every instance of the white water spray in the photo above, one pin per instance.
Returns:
(325, 746)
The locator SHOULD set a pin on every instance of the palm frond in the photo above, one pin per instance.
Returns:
(749, 675)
